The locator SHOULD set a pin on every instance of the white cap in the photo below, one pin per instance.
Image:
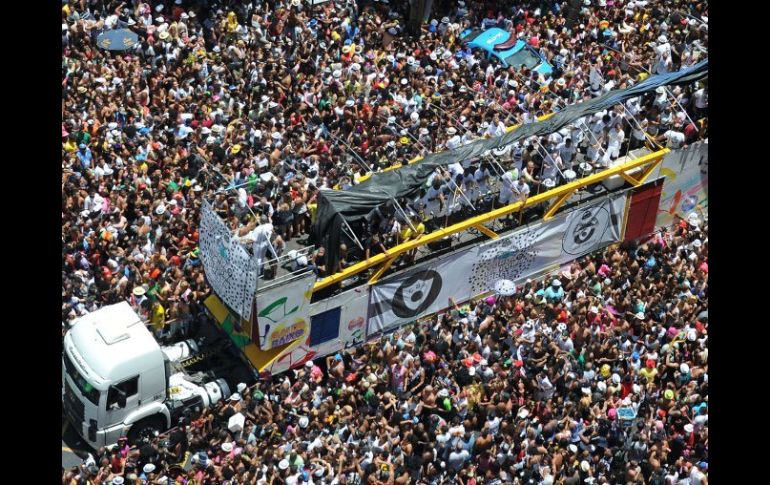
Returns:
(227, 447)
(241, 387)
(303, 422)
(235, 397)
(283, 464)
(148, 468)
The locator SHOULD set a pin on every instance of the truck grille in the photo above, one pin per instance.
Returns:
(73, 407)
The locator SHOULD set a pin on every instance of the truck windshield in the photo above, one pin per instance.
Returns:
(87, 389)
(524, 57)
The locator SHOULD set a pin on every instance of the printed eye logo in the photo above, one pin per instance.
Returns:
(416, 294)
(585, 230)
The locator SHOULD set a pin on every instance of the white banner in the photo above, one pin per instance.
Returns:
(567, 236)
(230, 269)
(423, 291)
(283, 312)
(516, 256)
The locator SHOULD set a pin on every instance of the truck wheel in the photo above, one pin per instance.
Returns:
(145, 428)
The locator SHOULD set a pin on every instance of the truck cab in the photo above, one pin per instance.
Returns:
(114, 375)
(118, 381)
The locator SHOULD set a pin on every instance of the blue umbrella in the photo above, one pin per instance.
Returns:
(117, 40)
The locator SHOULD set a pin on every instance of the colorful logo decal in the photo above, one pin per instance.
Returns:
(283, 335)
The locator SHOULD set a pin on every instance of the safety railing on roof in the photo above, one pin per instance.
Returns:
(634, 172)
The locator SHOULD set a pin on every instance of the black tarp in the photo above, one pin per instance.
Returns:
(354, 203)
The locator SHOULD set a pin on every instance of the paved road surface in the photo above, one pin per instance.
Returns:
(73, 448)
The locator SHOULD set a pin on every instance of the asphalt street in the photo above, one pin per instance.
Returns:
(73, 448)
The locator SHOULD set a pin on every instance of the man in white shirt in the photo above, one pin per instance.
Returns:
(435, 194)
(700, 99)
(496, 128)
(520, 189)
(567, 152)
(259, 237)
(92, 203)
(481, 176)
(551, 165)
(454, 140)
(506, 191)
(673, 138)
(663, 62)
(614, 141)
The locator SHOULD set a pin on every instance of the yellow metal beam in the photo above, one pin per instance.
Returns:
(648, 171)
(489, 216)
(631, 180)
(557, 203)
(487, 231)
(376, 276)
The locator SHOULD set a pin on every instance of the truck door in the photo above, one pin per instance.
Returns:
(122, 398)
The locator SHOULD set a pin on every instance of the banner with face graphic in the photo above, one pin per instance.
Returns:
(426, 289)
(422, 291)
(529, 251)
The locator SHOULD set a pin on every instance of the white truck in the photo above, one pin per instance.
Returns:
(118, 381)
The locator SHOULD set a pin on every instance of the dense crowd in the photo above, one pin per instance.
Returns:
(275, 100)
(597, 374)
